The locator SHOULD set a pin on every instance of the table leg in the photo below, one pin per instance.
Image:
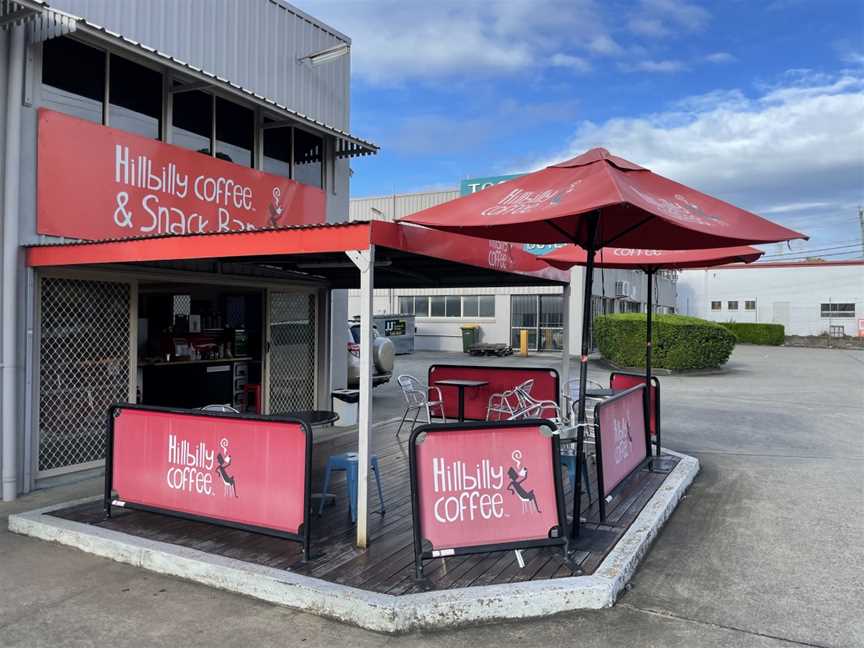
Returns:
(461, 404)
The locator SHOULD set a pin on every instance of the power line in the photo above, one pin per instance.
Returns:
(806, 256)
(809, 250)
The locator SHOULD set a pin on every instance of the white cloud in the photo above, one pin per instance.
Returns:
(664, 67)
(397, 40)
(797, 147)
(576, 63)
(720, 57)
(662, 18)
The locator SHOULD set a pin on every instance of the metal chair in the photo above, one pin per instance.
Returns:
(504, 405)
(570, 396)
(533, 408)
(225, 409)
(416, 396)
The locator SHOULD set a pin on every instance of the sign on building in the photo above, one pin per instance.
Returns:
(96, 182)
(473, 185)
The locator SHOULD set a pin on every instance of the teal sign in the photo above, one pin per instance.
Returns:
(473, 185)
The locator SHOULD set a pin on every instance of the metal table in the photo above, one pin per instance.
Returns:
(315, 418)
(461, 385)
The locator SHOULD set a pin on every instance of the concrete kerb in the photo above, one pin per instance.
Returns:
(371, 610)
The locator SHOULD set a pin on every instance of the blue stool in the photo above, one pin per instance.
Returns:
(570, 462)
(348, 463)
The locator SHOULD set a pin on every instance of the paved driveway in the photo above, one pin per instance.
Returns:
(766, 550)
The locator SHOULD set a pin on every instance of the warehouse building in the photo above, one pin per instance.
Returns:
(150, 120)
(503, 312)
(807, 298)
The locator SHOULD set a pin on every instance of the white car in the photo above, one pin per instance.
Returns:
(383, 352)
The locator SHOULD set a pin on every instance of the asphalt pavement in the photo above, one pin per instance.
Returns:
(767, 549)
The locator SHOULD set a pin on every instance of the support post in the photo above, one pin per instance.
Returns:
(581, 419)
(11, 256)
(365, 262)
(565, 341)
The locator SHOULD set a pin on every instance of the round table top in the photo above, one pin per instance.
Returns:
(600, 393)
(458, 382)
(315, 418)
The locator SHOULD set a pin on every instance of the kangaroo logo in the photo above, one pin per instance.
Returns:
(224, 462)
(517, 476)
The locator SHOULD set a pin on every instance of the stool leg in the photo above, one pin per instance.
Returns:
(326, 486)
(351, 477)
(378, 483)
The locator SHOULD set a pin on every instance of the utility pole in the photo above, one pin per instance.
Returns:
(861, 222)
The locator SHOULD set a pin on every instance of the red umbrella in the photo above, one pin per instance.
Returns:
(597, 200)
(636, 208)
(649, 261)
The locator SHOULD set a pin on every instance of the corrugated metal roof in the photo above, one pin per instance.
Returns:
(250, 49)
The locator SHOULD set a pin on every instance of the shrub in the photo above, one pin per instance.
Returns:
(678, 342)
(772, 334)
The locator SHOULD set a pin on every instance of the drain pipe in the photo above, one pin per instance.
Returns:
(11, 180)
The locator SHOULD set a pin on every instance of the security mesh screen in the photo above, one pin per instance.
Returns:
(292, 352)
(84, 367)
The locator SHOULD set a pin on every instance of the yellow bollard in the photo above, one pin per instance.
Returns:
(523, 343)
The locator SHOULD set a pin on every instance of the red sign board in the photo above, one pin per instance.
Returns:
(621, 441)
(242, 471)
(95, 182)
(499, 379)
(483, 487)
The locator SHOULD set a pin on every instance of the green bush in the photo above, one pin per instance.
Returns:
(772, 334)
(678, 342)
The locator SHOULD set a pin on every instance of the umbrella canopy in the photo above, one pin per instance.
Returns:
(567, 256)
(639, 209)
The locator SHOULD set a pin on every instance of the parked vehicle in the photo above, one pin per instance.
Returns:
(382, 357)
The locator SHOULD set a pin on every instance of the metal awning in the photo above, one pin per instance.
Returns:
(407, 256)
(46, 22)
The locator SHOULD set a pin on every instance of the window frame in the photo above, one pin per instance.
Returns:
(171, 77)
(729, 305)
(836, 313)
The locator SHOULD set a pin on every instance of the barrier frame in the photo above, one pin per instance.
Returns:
(304, 534)
(562, 538)
(655, 383)
(602, 496)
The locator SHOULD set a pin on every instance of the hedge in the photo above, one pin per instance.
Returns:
(678, 342)
(751, 333)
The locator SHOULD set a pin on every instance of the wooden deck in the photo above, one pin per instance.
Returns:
(387, 566)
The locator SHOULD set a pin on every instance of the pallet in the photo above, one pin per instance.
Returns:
(497, 349)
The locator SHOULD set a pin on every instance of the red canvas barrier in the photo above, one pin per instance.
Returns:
(479, 487)
(620, 381)
(500, 379)
(242, 471)
(621, 440)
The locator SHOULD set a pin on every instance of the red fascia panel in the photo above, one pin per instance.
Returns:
(468, 250)
(301, 240)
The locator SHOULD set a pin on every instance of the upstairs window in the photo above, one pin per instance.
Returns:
(192, 120)
(235, 132)
(277, 151)
(750, 304)
(73, 78)
(838, 310)
(716, 305)
(135, 98)
(732, 305)
(308, 155)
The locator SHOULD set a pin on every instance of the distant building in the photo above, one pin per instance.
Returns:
(808, 298)
(501, 312)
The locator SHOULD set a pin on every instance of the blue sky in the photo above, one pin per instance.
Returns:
(759, 103)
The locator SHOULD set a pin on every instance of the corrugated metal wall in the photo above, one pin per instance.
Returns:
(253, 43)
(399, 205)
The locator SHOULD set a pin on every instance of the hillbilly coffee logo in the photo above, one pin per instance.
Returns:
(229, 200)
(623, 439)
(500, 255)
(465, 493)
(191, 468)
(96, 182)
(520, 201)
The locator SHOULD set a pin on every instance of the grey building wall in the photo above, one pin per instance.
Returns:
(256, 44)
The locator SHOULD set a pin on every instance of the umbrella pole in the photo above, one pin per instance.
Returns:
(583, 372)
(649, 316)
